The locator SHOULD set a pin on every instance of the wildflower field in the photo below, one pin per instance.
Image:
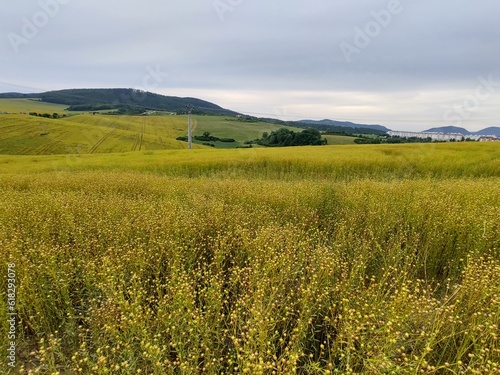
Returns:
(310, 260)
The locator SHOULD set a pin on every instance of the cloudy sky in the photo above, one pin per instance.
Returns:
(406, 64)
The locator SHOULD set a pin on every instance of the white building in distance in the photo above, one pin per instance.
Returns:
(438, 137)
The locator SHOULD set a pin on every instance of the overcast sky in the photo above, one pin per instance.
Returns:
(406, 64)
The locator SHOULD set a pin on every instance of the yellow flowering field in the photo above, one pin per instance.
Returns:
(326, 260)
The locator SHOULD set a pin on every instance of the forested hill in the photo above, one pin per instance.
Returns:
(124, 100)
(327, 125)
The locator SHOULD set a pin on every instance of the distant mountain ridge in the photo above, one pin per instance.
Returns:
(132, 101)
(346, 124)
(492, 130)
(125, 100)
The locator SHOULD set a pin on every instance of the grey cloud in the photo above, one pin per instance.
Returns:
(281, 46)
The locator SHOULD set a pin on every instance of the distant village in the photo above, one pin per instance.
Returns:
(444, 137)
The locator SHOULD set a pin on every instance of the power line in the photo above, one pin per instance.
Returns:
(21, 86)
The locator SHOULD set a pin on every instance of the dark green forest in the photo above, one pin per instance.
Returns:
(284, 137)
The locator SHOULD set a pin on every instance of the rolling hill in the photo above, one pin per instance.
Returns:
(24, 106)
(123, 100)
(134, 102)
(448, 129)
(493, 130)
(23, 134)
(72, 132)
(328, 124)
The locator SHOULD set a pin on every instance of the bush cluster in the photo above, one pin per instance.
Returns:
(285, 137)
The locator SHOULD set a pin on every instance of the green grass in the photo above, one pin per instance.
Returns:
(29, 135)
(30, 105)
(225, 127)
(86, 133)
(339, 140)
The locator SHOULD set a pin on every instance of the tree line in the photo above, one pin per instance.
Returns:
(284, 137)
(47, 115)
